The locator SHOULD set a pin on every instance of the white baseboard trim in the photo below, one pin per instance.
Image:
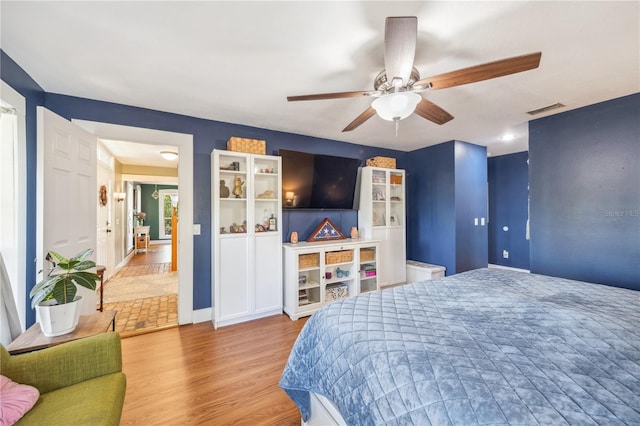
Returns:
(491, 265)
(202, 315)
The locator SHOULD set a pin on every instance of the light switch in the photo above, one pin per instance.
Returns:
(196, 229)
(475, 221)
(482, 221)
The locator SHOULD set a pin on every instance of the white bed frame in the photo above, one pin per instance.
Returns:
(323, 412)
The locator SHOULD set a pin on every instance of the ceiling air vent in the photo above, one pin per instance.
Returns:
(545, 109)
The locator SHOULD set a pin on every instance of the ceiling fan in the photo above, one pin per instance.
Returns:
(397, 86)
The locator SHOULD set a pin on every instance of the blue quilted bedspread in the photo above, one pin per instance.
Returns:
(482, 347)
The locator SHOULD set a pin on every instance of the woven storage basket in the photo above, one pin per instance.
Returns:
(338, 257)
(251, 146)
(367, 255)
(386, 162)
(308, 260)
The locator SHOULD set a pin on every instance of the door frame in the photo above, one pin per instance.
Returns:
(184, 142)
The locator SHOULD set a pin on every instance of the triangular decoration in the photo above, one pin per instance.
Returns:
(326, 231)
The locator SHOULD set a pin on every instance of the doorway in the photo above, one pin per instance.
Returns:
(184, 142)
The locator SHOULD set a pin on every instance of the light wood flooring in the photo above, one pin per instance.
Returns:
(196, 375)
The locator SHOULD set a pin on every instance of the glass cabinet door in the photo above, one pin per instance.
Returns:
(396, 198)
(232, 193)
(379, 198)
(266, 193)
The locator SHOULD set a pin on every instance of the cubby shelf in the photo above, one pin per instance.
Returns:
(302, 298)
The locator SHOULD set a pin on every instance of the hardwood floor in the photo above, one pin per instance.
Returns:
(193, 374)
(157, 253)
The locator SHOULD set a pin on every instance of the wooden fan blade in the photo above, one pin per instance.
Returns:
(483, 72)
(432, 112)
(336, 95)
(367, 114)
(400, 35)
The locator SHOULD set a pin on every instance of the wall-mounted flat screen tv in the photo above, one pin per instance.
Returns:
(316, 181)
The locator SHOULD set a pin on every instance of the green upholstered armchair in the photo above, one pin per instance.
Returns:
(80, 382)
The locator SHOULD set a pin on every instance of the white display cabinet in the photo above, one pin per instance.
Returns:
(318, 273)
(381, 216)
(247, 239)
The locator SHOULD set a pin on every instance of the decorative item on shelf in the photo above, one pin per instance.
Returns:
(224, 189)
(342, 272)
(294, 237)
(266, 195)
(233, 166)
(354, 232)
(328, 275)
(337, 292)
(223, 230)
(238, 229)
(384, 162)
(251, 146)
(378, 194)
(260, 228)
(55, 298)
(102, 195)
(237, 187)
(272, 223)
(394, 198)
(140, 217)
(326, 231)
(395, 179)
(155, 194)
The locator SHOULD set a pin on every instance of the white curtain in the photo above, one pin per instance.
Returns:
(9, 320)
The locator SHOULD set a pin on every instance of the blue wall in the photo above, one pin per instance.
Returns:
(508, 206)
(447, 185)
(585, 193)
(431, 191)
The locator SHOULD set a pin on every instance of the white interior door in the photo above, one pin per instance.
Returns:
(66, 192)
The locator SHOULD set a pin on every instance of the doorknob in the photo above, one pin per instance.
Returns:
(108, 230)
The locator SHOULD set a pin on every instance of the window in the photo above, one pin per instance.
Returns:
(13, 201)
(167, 200)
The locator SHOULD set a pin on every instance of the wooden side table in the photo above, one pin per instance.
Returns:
(89, 325)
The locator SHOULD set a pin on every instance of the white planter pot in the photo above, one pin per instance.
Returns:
(56, 320)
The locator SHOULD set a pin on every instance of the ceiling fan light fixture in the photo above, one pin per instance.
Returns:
(396, 106)
(169, 155)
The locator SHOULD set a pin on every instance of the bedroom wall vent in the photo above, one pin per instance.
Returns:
(545, 108)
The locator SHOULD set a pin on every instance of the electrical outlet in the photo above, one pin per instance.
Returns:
(196, 229)
(505, 254)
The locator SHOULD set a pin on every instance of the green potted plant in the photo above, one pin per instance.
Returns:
(54, 298)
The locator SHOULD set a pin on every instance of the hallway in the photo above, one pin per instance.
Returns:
(145, 314)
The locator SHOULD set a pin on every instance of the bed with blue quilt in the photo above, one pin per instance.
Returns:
(487, 346)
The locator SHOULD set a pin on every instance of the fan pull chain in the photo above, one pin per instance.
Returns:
(397, 125)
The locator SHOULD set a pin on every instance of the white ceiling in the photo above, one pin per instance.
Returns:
(237, 61)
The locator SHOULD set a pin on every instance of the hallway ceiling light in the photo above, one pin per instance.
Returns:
(169, 155)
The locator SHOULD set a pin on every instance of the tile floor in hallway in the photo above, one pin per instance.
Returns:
(140, 316)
